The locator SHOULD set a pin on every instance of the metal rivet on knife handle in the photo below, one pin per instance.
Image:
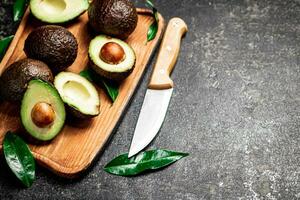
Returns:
(168, 54)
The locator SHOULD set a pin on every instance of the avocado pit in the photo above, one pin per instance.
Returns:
(112, 53)
(42, 114)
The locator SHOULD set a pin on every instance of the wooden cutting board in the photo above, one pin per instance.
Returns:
(74, 149)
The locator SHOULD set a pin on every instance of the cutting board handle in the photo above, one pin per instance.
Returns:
(168, 54)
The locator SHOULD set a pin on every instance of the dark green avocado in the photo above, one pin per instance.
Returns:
(42, 110)
(52, 44)
(117, 18)
(57, 11)
(111, 58)
(15, 78)
(80, 96)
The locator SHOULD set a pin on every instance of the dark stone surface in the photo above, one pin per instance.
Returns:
(235, 109)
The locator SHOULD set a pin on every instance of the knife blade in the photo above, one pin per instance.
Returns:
(160, 88)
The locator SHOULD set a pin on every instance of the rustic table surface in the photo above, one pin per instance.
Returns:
(235, 109)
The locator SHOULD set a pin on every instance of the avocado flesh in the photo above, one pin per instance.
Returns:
(117, 18)
(57, 11)
(40, 91)
(79, 94)
(16, 77)
(111, 71)
(54, 45)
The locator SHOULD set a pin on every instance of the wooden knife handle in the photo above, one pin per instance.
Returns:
(168, 54)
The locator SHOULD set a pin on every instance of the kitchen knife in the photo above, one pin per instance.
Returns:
(160, 88)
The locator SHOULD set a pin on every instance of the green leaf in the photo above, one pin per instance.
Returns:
(19, 9)
(88, 74)
(149, 3)
(19, 158)
(152, 31)
(111, 88)
(147, 160)
(4, 45)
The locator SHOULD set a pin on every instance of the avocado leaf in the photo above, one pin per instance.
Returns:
(4, 42)
(111, 88)
(19, 158)
(152, 31)
(147, 160)
(88, 74)
(19, 9)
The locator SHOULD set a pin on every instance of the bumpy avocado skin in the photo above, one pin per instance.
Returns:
(117, 18)
(15, 78)
(115, 76)
(77, 114)
(52, 44)
(34, 135)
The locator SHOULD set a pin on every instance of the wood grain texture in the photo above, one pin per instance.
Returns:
(74, 149)
(168, 54)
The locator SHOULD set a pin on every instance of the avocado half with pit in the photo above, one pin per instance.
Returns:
(57, 11)
(42, 110)
(79, 94)
(111, 58)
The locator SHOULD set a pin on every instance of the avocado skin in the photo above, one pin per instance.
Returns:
(16, 77)
(115, 76)
(117, 18)
(52, 44)
(77, 114)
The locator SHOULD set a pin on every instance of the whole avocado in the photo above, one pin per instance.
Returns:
(15, 78)
(54, 45)
(117, 18)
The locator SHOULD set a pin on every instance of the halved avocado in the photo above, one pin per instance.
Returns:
(57, 11)
(79, 94)
(42, 110)
(111, 58)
